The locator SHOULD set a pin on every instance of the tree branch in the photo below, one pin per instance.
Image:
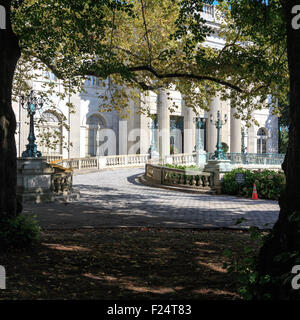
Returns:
(184, 75)
(146, 32)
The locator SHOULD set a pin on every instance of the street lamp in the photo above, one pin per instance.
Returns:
(243, 140)
(31, 103)
(219, 154)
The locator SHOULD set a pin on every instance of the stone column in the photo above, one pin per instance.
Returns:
(123, 136)
(74, 134)
(163, 125)
(235, 133)
(211, 128)
(144, 121)
(189, 116)
(252, 140)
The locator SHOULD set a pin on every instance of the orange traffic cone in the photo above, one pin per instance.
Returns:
(254, 193)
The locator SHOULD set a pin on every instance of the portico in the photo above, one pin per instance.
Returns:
(177, 131)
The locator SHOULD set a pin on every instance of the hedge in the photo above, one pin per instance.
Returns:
(269, 183)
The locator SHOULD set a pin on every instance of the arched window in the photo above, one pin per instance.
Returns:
(261, 141)
(50, 135)
(93, 144)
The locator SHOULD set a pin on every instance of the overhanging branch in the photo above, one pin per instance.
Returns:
(184, 75)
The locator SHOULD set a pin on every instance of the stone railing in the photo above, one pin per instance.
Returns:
(39, 181)
(79, 163)
(51, 158)
(266, 159)
(139, 160)
(61, 180)
(183, 158)
(136, 160)
(256, 158)
(130, 160)
(180, 178)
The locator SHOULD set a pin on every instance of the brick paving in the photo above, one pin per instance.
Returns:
(117, 199)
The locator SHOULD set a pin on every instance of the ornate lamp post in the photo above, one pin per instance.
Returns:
(219, 154)
(243, 140)
(31, 104)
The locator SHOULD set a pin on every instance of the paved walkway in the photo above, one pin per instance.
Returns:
(116, 199)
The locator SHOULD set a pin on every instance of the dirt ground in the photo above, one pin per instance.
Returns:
(124, 263)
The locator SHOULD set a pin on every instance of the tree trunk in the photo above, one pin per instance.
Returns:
(9, 55)
(281, 251)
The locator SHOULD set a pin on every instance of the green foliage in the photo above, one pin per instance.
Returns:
(173, 149)
(243, 266)
(283, 140)
(151, 44)
(225, 147)
(269, 184)
(181, 167)
(19, 232)
(283, 123)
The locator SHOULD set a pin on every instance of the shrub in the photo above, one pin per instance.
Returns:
(181, 167)
(243, 267)
(225, 147)
(269, 184)
(18, 232)
(173, 149)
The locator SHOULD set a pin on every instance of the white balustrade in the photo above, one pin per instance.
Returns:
(126, 160)
(104, 162)
(51, 158)
(138, 160)
(183, 158)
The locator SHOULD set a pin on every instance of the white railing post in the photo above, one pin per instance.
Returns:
(102, 163)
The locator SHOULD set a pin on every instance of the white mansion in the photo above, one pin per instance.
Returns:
(94, 134)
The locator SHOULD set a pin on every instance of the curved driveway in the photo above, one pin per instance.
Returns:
(116, 199)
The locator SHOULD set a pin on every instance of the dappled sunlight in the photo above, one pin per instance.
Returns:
(114, 199)
(214, 291)
(129, 283)
(213, 266)
(127, 263)
(157, 290)
(102, 277)
(61, 247)
(161, 250)
(198, 243)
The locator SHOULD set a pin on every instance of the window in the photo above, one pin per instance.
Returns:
(93, 82)
(50, 76)
(176, 134)
(261, 141)
(50, 135)
(93, 144)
